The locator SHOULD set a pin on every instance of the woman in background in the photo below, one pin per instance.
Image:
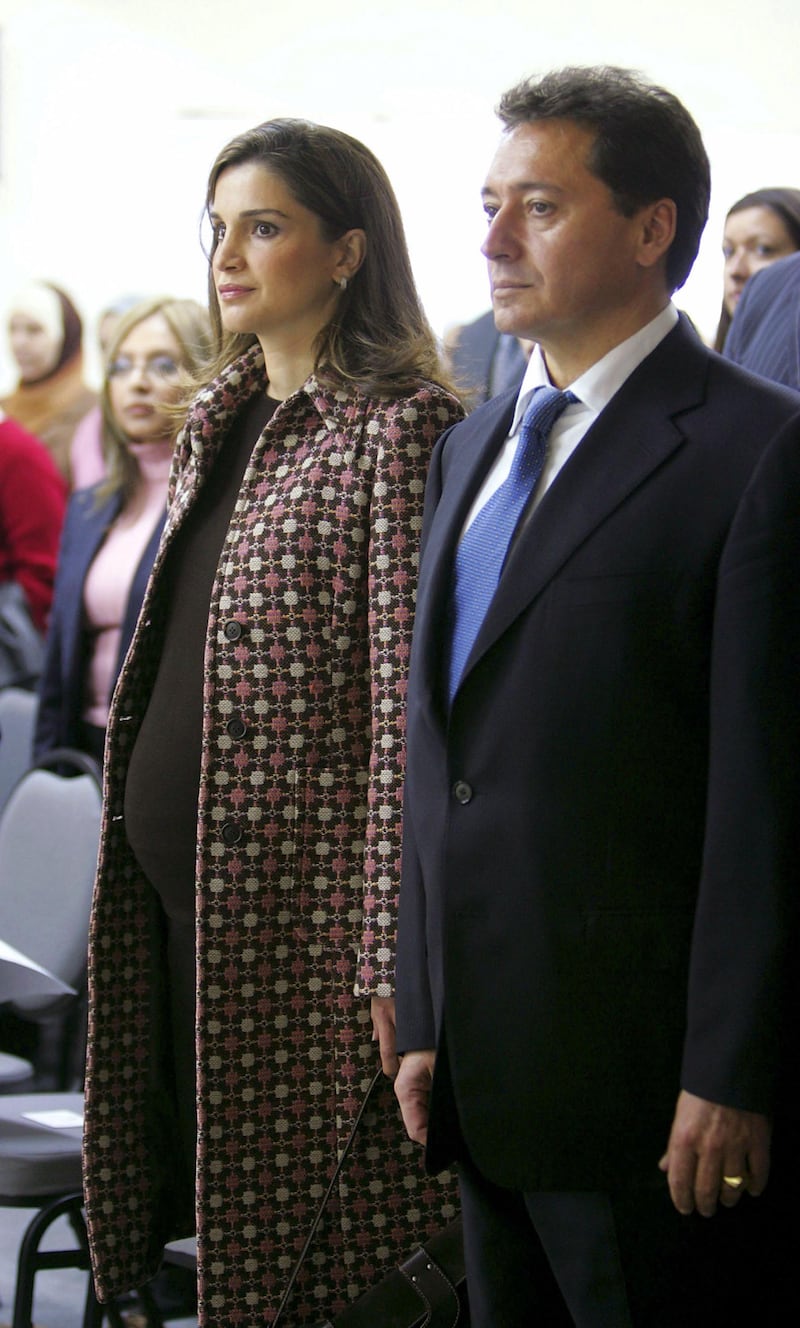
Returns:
(250, 855)
(112, 530)
(86, 453)
(45, 333)
(759, 228)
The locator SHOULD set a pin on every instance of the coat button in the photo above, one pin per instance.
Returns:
(233, 630)
(462, 792)
(236, 727)
(231, 833)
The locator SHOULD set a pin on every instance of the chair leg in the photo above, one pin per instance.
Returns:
(31, 1259)
(94, 1314)
(151, 1310)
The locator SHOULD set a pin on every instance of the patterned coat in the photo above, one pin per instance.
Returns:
(297, 870)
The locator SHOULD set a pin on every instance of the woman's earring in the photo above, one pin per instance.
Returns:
(342, 283)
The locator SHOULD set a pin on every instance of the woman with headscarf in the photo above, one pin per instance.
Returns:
(45, 333)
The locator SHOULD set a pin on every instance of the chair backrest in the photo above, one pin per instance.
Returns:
(49, 833)
(17, 722)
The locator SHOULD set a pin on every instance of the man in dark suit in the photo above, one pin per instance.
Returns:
(765, 334)
(600, 846)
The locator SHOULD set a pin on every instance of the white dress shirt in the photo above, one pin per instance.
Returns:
(594, 389)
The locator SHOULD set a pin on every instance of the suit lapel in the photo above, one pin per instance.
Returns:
(630, 440)
(96, 522)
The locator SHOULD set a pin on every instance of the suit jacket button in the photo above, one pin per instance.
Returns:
(462, 792)
(236, 727)
(231, 833)
(233, 630)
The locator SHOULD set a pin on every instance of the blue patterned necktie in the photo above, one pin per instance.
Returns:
(480, 555)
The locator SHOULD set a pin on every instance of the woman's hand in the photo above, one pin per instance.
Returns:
(383, 1032)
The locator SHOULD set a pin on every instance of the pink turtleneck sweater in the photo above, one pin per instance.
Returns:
(109, 579)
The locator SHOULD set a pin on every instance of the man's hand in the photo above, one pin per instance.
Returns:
(413, 1089)
(708, 1143)
(384, 1033)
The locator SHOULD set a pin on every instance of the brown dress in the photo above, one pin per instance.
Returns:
(296, 875)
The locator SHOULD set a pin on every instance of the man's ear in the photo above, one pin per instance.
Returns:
(658, 225)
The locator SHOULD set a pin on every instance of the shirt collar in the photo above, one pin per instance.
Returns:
(597, 385)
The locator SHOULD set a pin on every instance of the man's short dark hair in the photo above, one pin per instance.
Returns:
(647, 146)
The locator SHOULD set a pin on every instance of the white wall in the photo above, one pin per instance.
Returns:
(112, 111)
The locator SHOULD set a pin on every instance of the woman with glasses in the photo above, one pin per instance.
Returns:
(112, 530)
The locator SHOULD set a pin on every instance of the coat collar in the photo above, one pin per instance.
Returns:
(214, 410)
(633, 436)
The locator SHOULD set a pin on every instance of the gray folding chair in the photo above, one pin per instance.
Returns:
(49, 832)
(16, 1074)
(17, 722)
(40, 1167)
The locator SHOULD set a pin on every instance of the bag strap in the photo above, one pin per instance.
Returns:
(318, 1216)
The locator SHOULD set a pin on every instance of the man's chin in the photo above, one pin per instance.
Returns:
(509, 316)
(505, 322)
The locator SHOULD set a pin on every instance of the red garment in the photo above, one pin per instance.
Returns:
(33, 497)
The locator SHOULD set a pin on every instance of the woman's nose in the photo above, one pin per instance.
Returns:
(738, 265)
(225, 253)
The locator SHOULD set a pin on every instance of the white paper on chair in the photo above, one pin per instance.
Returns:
(21, 976)
(57, 1119)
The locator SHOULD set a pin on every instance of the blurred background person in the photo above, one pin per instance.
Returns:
(255, 762)
(45, 334)
(112, 530)
(86, 456)
(760, 228)
(765, 332)
(483, 361)
(32, 503)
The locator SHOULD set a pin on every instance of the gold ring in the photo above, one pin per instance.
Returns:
(734, 1181)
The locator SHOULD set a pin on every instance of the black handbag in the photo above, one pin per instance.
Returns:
(428, 1290)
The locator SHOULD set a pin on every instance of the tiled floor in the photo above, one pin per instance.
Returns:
(60, 1293)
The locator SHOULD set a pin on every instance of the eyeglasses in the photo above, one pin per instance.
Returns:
(155, 366)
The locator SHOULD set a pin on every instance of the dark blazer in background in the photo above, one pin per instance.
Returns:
(61, 689)
(594, 839)
(764, 336)
(485, 362)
